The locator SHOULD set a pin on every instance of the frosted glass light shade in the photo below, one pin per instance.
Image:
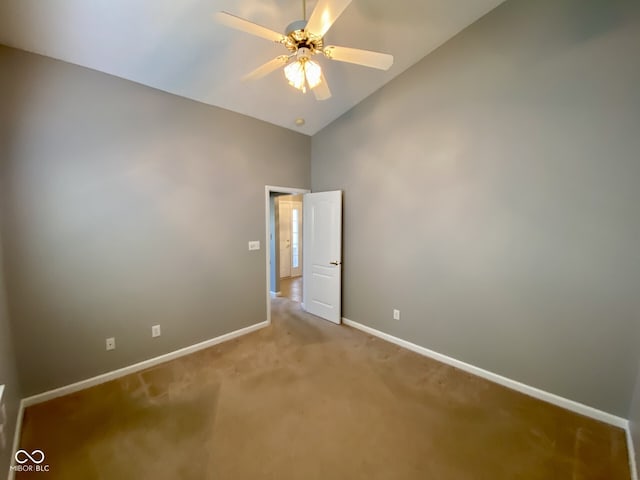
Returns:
(303, 71)
(313, 73)
(295, 74)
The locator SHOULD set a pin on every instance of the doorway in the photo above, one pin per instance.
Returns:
(319, 221)
(284, 243)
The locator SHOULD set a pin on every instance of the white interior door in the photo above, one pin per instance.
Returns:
(285, 239)
(322, 254)
(296, 239)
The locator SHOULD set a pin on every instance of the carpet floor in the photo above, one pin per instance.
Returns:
(306, 399)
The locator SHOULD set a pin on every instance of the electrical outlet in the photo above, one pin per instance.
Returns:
(396, 314)
(111, 343)
(254, 245)
(155, 331)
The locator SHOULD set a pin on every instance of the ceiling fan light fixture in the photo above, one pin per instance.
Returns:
(303, 72)
(295, 75)
(313, 73)
(304, 39)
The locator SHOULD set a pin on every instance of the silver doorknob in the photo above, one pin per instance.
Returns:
(335, 263)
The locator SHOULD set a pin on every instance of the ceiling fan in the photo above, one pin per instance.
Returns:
(304, 39)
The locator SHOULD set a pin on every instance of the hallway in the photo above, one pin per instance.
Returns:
(291, 288)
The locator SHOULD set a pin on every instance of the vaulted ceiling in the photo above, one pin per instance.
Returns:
(178, 47)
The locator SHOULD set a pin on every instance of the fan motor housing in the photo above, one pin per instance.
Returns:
(293, 26)
(297, 37)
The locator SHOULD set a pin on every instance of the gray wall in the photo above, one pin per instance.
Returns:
(491, 194)
(128, 207)
(8, 373)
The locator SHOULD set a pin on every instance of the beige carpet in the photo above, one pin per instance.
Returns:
(306, 399)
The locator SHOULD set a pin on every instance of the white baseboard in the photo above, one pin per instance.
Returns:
(121, 372)
(632, 453)
(494, 377)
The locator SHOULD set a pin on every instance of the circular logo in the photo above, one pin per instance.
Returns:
(22, 456)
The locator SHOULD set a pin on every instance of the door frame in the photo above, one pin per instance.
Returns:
(268, 190)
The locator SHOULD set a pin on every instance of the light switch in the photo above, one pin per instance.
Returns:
(254, 245)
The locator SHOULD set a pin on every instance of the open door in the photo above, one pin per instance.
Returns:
(322, 254)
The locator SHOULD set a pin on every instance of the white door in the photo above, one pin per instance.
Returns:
(322, 257)
(296, 239)
(285, 239)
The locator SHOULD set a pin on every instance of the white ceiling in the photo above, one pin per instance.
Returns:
(176, 46)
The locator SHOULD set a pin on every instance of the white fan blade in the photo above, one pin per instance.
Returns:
(267, 68)
(249, 27)
(323, 16)
(381, 61)
(322, 91)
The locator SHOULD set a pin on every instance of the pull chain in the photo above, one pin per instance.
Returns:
(304, 10)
